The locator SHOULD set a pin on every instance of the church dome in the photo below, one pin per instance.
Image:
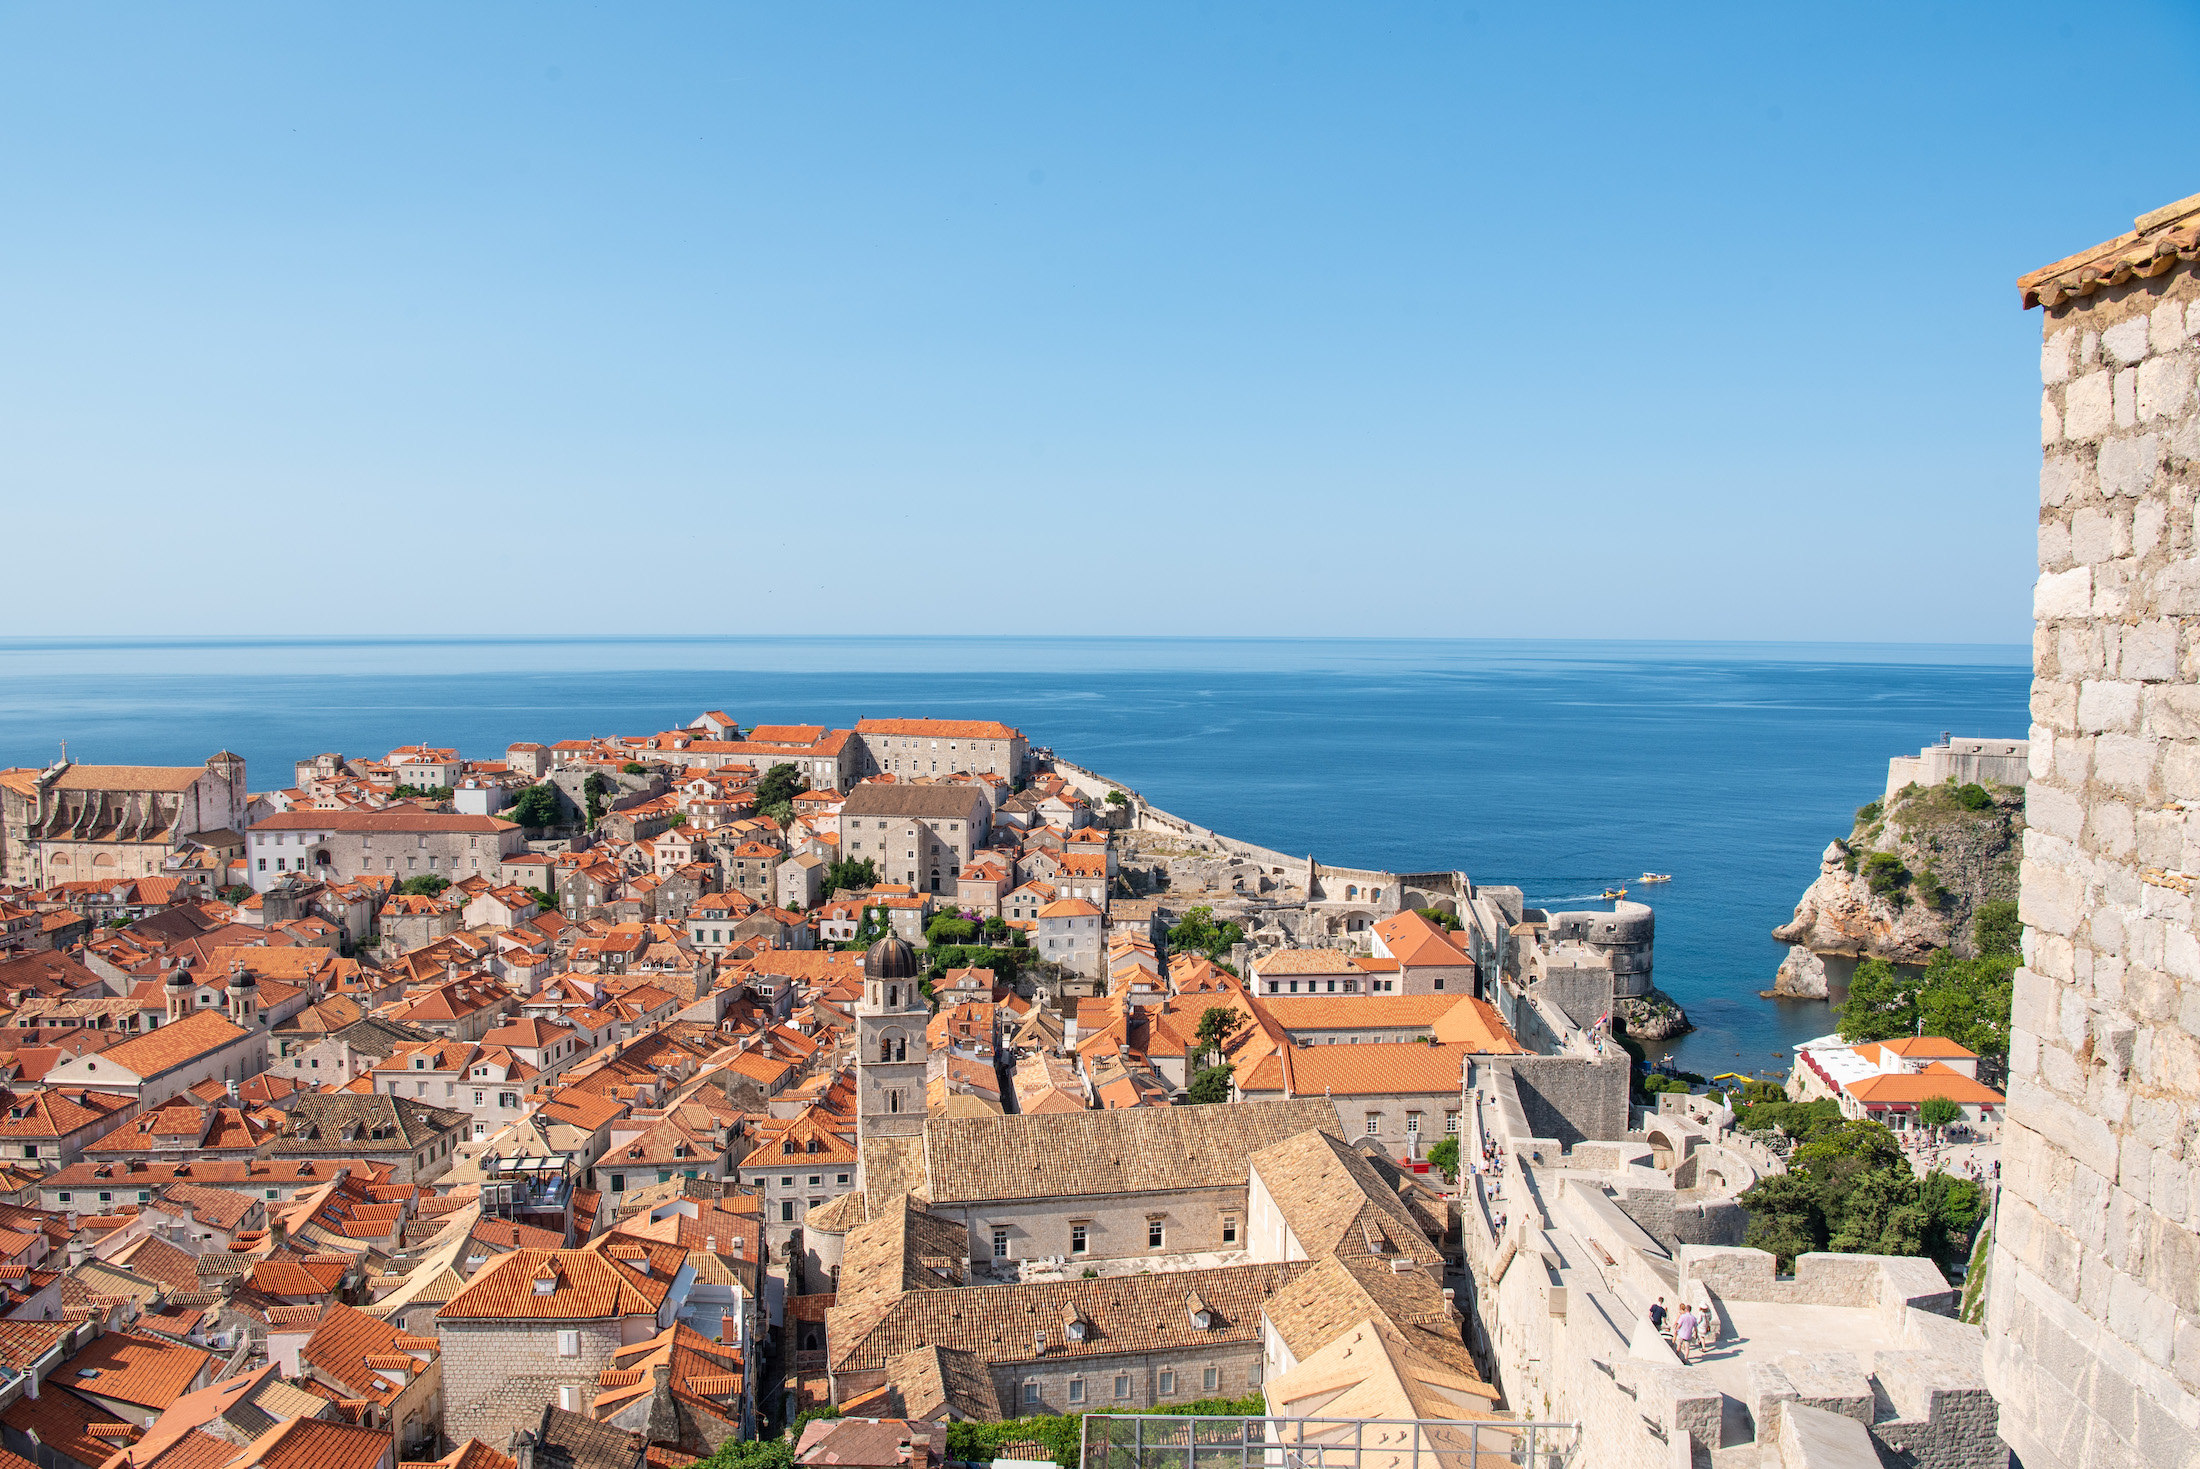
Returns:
(889, 958)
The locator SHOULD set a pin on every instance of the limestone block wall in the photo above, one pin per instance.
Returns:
(2093, 1324)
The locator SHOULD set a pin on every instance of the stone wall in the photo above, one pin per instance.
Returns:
(497, 1375)
(1572, 1098)
(2093, 1313)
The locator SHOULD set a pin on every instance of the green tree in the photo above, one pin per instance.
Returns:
(1117, 798)
(594, 789)
(634, 767)
(1996, 929)
(1215, 1024)
(1974, 798)
(808, 1416)
(1449, 922)
(537, 806)
(752, 1453)
(543, 900)
(1938, 1112)
(1198, 933)
(775, 793)
(1869, 812)
(848, 875)
(1784, 1218)
(1882, 1004)
(1209, 1086)
(1444, 1154)
(427, 885)
(996, 928)
(949, 928)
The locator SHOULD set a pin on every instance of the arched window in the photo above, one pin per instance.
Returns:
(893, 997)
(1374, 895)
(1350, 891)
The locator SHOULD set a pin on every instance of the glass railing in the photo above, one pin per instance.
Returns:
(1167, 1441)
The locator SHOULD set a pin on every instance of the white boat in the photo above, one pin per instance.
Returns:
(1655, 877)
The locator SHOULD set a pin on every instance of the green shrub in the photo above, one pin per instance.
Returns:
(1974, 797)
(1885, 874)
(1870, 812)
(1060, 1432)
(1996, 929)
(634, 767)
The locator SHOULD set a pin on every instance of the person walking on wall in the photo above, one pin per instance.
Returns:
(1684, 1333)
(1657, 1315)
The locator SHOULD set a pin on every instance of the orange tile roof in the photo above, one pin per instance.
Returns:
(173, 1044)
(1069, 908)
(584, 1285)
(964, 729)
(313, 1443)
(1911, 1087)
(1304, 961)
(1412, 939)
(141, 1370)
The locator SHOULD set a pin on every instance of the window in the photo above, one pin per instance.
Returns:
(786, 1211)
(618, 1183)
(1122, 1385)
(1252, 1374)
(1077, 1239)
(786, 1180)
(1451, 1124)
(1413, 1124)
(840, 1178)
(1167, 1386)
(1031, 1392)
(1374, 1123)
(1208, 1380)
(569, 1344)
(63, 1197)
(1000, 1242)
(1077, 1389)
(1153, 1234)
(1229, 1230)
(263, 864)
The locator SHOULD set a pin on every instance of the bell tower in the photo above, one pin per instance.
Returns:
(890, 1045)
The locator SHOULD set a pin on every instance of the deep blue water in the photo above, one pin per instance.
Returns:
(1561, 767)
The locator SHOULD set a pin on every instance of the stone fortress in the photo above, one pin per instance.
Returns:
(1962, 759)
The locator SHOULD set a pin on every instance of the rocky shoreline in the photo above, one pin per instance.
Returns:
(1904, 884)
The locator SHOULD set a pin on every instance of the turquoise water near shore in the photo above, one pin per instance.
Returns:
(1560, 767)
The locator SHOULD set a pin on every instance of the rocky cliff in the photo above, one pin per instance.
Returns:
(1905, 882)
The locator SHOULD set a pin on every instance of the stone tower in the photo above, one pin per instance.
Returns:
(890, 1046)
(244, 996)
(2093, 1302)
(176, 993)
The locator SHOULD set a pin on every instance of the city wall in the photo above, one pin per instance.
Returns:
(2093, 1305)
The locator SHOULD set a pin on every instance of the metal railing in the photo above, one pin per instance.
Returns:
(1167, 1441)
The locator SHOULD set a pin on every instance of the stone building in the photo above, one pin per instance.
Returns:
(916, 835)
(538, 1326)
(912, 747)
(400, 842)
(2093, 1306)
(86, 823)
(1158, 1183)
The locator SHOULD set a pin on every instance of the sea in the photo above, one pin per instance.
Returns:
(1563, 768)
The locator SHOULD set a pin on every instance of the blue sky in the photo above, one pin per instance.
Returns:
(1154, 319)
